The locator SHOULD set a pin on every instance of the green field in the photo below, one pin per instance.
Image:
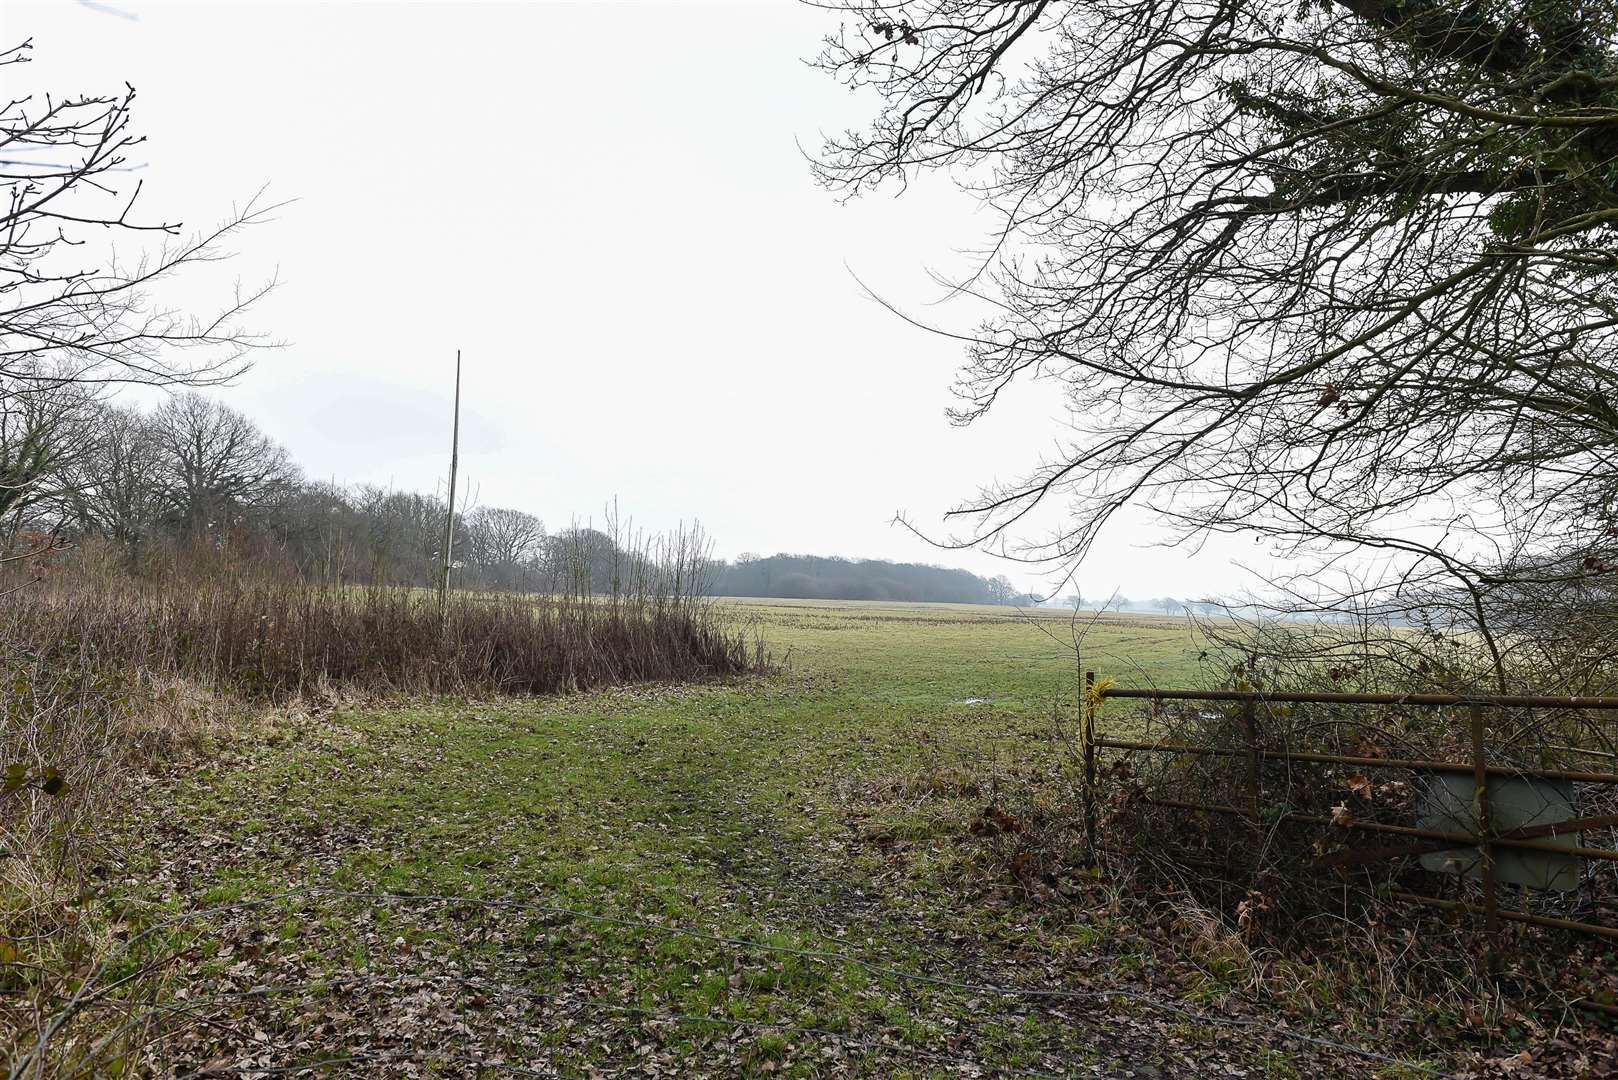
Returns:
(772, 877)
(944, 652)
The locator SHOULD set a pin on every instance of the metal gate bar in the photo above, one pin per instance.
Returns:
(1517, 839)
(1575, 775)
(1427, 840)
(1325, 697)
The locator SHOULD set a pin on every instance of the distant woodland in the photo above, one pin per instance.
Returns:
(819, 577)
(193, 482)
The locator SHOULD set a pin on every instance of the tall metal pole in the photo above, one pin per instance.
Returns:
(449, 520)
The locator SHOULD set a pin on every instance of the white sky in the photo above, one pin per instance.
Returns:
(608, 208)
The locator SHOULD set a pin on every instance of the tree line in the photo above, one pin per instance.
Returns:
(193, 482)
(817, 577)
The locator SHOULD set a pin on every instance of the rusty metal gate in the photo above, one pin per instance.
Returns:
(1477, 838)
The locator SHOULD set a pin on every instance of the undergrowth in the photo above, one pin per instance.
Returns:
(109, 676)
(1242, 911)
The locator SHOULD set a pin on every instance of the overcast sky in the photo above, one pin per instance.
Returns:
(607, 207)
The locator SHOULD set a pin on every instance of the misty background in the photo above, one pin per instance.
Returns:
(641, 264)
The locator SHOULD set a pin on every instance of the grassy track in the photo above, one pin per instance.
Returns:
(823, 810)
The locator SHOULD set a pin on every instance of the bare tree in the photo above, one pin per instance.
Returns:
(219, 465)
(501, 541)
(405, 532)
(67, 305)
(119, 489)
(581, 559)
(500, 536)
(1339, 273)
(74, 317)
(1001, 590)
(48, 426)
(321, 530)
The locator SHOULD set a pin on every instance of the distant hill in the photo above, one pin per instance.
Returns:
(820, 577)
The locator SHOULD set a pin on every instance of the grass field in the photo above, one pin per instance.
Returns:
(948, 651)
(775, 876)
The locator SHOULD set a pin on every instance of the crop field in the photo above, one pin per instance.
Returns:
(773, 876)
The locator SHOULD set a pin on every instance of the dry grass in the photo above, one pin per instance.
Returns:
(106, 675)
(278, 641)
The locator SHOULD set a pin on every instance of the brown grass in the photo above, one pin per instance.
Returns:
(105, 674)
(278, 641)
